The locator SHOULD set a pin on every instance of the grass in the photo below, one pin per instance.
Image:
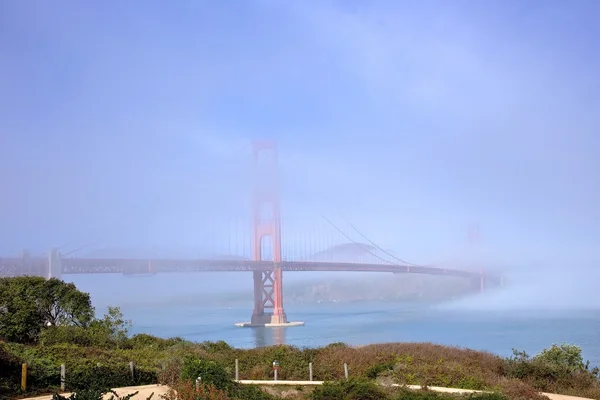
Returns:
(423, 364)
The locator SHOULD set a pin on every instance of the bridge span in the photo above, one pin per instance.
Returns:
(54, 266)
(267, 275)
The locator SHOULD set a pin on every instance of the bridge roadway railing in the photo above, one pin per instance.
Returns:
(137, 266)
(35, 266)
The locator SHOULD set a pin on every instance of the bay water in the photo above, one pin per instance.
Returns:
(191, 312)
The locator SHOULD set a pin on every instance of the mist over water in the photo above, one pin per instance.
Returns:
(125, 131)
(567, 289)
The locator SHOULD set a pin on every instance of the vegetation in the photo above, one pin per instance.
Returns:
(28, 304)
(97, 353)
(96, 395)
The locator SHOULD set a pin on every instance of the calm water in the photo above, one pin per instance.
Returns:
(178, 305)
(375, 322)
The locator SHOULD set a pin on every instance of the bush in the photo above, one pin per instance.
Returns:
(557, 369)
(564, 356)
(66, 335)
(247, 392)
(10, 366)
(209, 371)
(356, 389)
(186, 390)
(108, 332)
(406, 394)
(96, 395)
(145, 341)
(105, 377)
(375, 370)
(216, 347)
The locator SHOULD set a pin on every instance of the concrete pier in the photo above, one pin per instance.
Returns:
(269, 324)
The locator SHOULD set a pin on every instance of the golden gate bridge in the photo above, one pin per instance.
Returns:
(266, 262)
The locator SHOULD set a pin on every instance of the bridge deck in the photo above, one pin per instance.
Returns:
(21, 266)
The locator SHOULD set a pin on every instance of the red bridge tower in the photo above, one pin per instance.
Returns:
(268, 285)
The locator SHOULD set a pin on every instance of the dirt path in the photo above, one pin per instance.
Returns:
(145, 391)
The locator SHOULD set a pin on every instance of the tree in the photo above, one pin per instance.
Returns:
(109, 332)
(564, 355)
(113, 328)
(29, 303)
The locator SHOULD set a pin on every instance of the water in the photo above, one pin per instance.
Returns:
(189, 306)
(378, 322)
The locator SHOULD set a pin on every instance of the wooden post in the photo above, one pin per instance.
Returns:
(62, 377)
(24, 377)
(237, 370)
(310, 373)
(131, 370)
(346, 370)
(275, 376)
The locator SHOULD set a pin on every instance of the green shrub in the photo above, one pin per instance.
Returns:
(105, 377)
(10, 366)
(97, 395)
(406, 394)
(557, 369)
(374, 371)
(355, 389)
(247, 392)
(209, 371)
(186, 390)
(487, 396)
(216, 347)
(43, 374)
(564, 356)
(329, 391)
(145, 341)
(82, 395)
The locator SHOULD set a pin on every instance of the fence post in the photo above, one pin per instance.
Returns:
(275, 368)
(131, 370)
(24, 377)
(346, 370)
(62, 377)
(310, 373)
(237, 370)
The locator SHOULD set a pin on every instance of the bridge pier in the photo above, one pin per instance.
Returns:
(268, 294)
(54, 265)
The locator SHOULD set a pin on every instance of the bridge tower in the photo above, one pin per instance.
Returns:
(54, 265)
(475, 238)
(268, 284)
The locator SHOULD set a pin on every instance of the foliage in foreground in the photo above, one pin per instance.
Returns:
(94, 394)
(29, 303)
(361, 389)
(559, 369)
(97, 353)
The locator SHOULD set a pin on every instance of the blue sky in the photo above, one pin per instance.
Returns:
(127, 124)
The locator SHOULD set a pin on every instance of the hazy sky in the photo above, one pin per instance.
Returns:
(128, 123)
